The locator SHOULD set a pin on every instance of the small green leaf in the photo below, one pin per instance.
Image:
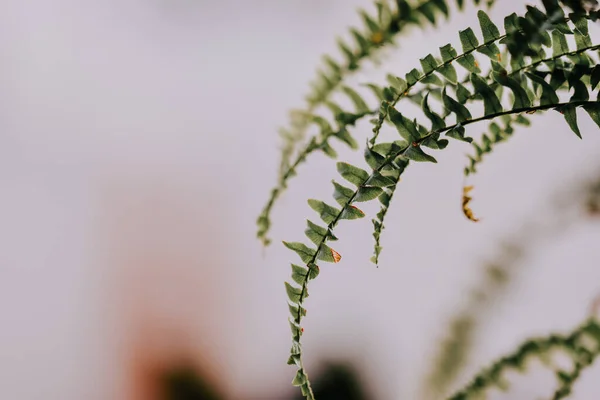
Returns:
(582, 37)
(352, 174)
(359, 103)
(581, 93)
(434, 142)
(367, 193)
(313, 270)
(458, 133)
(489, 30)
(490, 100)
(594, 111)
(379, 180)
(346, 50)
(462, 94)
(468, 62)
(397, 83)
(294, 360)
(385, 198)
(293, 293)
(316, 233)
(511, 24)
(341, 194)
(490, 50)
(351, 212)
(468, 40)
(377, 91)
(427, 11)
(323, 124)
(327, 254)
(429, 64)
(449, 72)
(436, 121)
(432, 80)
(369, 22)
(448, 53)
(595, 77)
(299, 274)
(374, 159)
(295, 310)
(328, 150)
(327, 213)
(500, 75)
(549, 95)
(299, 379)
(406, 128)
(296, 348)
(333, 107)
(305, 389)
(334, 66)
(442, 6)
(345, 137)
(363, 44)
(571, 117)
(306, 253)
(413, 77)
(296, 330)
(462, 113)
(415, 153)
(522, 120)
(559, 44)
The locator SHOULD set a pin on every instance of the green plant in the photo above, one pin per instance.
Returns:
(529, 68)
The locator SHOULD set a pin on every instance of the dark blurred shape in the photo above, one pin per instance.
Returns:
(593, 200)
(185, 383)
(581, 6)
(337, 381)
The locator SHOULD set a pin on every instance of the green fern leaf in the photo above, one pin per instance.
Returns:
(352, 174)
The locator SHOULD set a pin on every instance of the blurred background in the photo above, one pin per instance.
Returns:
(138, 143)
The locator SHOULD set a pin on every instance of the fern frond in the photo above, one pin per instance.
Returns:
(576, 345)
(562, 61)
(388, 161)
(380, 30)
(386, 170)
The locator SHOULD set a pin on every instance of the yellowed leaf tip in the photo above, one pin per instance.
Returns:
(336, 256)
(465, 204)
(377, 37)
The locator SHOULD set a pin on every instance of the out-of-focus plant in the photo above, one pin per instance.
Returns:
(578, 203)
